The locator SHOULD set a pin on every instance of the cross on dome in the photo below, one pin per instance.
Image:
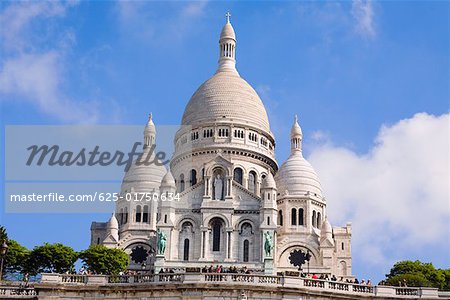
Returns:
(228, 15)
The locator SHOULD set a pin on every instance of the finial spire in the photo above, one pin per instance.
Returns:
(150, 116)
(295, 118)
(228, 15)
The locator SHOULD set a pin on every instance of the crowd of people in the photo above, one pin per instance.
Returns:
(238, 270)
(334, 278)
(222, 269)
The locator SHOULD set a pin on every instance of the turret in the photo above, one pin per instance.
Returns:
(112, 232)
(149, 132)
(296, 137)
(268, 202)
(227, 47)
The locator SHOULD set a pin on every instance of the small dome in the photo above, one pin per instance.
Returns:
(326, 227)
(168, 180)
(150, 126)
(297, 177)
(226, 97)
(143, 178)
(227, 32)
(113, 223)
(269, 182)
(296, 130)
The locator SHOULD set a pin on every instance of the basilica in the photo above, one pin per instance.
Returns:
(235, 206)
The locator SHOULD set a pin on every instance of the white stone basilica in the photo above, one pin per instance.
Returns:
(236, 206)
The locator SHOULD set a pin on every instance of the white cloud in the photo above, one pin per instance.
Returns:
(363, 13)
(37, 77)
(398, 194)
(16, 19)
(34, 75)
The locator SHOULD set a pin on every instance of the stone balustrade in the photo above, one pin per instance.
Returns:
(234, 280)
(17, 292)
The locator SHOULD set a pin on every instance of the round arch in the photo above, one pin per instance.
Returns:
(185, 218)
(225, 220)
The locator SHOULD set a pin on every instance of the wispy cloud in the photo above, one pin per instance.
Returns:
(363, 14)
(34, 61)
(401, 187)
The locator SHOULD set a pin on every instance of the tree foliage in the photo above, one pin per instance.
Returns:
(16, 259)
(416, 273)
(52, 258)
(3, 234)
(102, 260)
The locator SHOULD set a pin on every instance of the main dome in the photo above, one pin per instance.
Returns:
(226, 97)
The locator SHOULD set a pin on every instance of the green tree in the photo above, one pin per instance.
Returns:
(416, 273)
(102, 260)
(447, 279)
(16, 258)
(53, 258)
(3, 234)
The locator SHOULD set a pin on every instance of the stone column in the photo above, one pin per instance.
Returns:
(207, 186)
(204, 243)
(228, 181)
(229, 253)
(258, 188)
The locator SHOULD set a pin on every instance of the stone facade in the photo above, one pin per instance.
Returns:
(236, 207)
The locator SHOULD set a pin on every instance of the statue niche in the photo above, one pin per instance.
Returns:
(218, 185)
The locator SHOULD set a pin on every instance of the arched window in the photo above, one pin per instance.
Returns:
(252, 181)
(181, 182)
(268, 220)
(121, 216)
(342, 245)
(294, 216)
(186, 250)
(246, 251)
(145, 214)
(138, 214)
(319, 220)
(300, 216)
(126, 216)
(314, 219)
(203, 173)
(165, 218)
(193, 177)
(216, 230)
(280, 217)
(237, 175)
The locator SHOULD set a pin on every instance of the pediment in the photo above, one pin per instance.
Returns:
(242, 194)
(219, 160)
(110, 240)
(193, 194)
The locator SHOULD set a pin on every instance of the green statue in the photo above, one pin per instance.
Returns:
(268, 243)
(161, 243)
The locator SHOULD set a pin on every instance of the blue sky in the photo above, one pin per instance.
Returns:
(369, 81)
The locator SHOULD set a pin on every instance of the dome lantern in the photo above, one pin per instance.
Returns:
(296, 137)
(149, 132)
(227, 47)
